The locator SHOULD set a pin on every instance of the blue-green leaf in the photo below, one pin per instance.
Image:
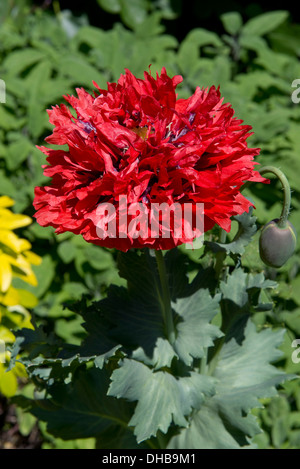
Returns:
(82, 409)
(244, 374)
(161, 397)
(195, 332)
(247, 229)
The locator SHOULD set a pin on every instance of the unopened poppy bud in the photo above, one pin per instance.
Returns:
(276, 244)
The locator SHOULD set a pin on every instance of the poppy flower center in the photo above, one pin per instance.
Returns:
(141, 131)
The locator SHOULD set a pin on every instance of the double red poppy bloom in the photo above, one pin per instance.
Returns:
(136, 139)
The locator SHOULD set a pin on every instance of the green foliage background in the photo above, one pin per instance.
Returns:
(46, 52)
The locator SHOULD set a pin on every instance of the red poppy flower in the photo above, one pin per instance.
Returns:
(136, 141)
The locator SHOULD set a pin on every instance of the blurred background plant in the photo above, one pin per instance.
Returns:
(49, 48)
(16, 260)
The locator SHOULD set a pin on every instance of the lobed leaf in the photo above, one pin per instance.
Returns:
(244, 375)
(161, 397)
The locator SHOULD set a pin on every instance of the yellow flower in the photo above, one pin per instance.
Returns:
(16, 260)
(15, 255)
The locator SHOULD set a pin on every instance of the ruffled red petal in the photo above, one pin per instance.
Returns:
(136, 139)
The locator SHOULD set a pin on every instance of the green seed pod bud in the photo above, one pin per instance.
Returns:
(276, 244)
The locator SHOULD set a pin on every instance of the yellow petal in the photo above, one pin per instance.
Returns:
(11, 297)
(11, 221)
(22, 269)
(20, 370)
(13, 242)
(6, 335)
(5, 273)
(27, 299)
(6, 201)
(20, 263)
(19, 317)
(29, 278)
(8, 382)
(32, 258)
(23, 245)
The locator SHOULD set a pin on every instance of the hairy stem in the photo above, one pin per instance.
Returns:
(220, 256)
(286, 193)
(167, 310)
(203, 363)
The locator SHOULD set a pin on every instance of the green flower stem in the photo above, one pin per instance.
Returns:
(203, 363)
(220, 256)
(167, 310)
(286, 193)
